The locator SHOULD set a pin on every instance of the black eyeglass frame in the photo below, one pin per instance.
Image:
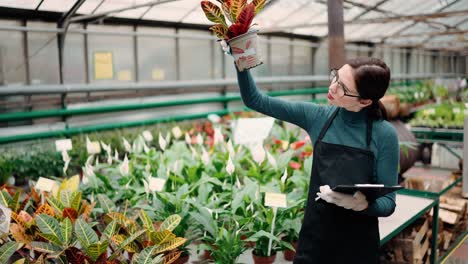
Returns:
(333, 75)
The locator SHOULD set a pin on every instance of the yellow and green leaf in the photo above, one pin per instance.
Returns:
(213, 12)
(76, 200)
(14, 202)
(236, 8)
(226, 6)
(66, 197)
(56, 204)
(85, 233)
(161, 237)
(45, 247)
(146, 256)
(173, 244)
(95, 250)
(259, 4)
(123, 244)
(70, 184)
(172, 257)
(170, 223)
(110, 229)
(146, 220)
(66, 229)
(220, 31)
(52, 239)
(8, 249)
(5, 198)
(50, 227)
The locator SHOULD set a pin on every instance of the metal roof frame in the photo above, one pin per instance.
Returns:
(371, 14)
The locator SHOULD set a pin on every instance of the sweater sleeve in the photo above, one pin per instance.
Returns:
(387, 172)
(302, 114)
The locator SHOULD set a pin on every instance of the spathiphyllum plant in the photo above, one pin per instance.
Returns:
(233, 18)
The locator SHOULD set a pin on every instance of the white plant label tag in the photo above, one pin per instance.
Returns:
(93, 147)
(456, 110)
(156, 184)
(63, 145)
(5, 218)
(147, 136)
(275, 200)
(251, 131)
(45, 185)
(429, 111)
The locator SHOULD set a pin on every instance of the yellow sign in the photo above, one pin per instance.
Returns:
(158, 74)
(103, 66)
(124, 75)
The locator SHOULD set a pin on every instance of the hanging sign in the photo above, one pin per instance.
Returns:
(103, 66)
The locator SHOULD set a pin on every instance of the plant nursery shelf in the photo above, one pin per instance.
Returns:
(429, 135)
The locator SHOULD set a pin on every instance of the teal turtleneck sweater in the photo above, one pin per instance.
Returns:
(348, 128)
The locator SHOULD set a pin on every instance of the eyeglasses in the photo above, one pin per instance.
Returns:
(343, 91)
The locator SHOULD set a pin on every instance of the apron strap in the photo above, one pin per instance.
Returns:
(327, 124)
(369, 132)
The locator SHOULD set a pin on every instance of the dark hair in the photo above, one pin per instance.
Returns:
(372, 77)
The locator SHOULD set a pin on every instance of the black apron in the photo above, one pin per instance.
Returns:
(330, 233)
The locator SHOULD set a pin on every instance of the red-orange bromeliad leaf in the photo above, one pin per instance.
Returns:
(70, 213)
(246, 16)
(236, 30)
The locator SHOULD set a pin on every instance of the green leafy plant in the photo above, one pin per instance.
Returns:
(445, 115)
(262, 235)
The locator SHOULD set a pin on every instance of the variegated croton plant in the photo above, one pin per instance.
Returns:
(238, 13)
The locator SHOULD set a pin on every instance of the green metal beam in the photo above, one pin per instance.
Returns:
(426, 135)
(86, 129)
(116, 108)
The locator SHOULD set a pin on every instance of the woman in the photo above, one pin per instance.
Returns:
(352, 144)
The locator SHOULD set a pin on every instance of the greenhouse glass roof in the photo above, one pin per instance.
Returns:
(434, 24)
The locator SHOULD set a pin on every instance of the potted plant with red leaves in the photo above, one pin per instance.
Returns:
(239, 15)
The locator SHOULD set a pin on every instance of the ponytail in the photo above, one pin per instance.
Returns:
(376, 111)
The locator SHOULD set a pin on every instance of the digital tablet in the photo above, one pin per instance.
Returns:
(371, 191)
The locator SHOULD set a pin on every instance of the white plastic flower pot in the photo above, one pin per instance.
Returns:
(245, 50)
